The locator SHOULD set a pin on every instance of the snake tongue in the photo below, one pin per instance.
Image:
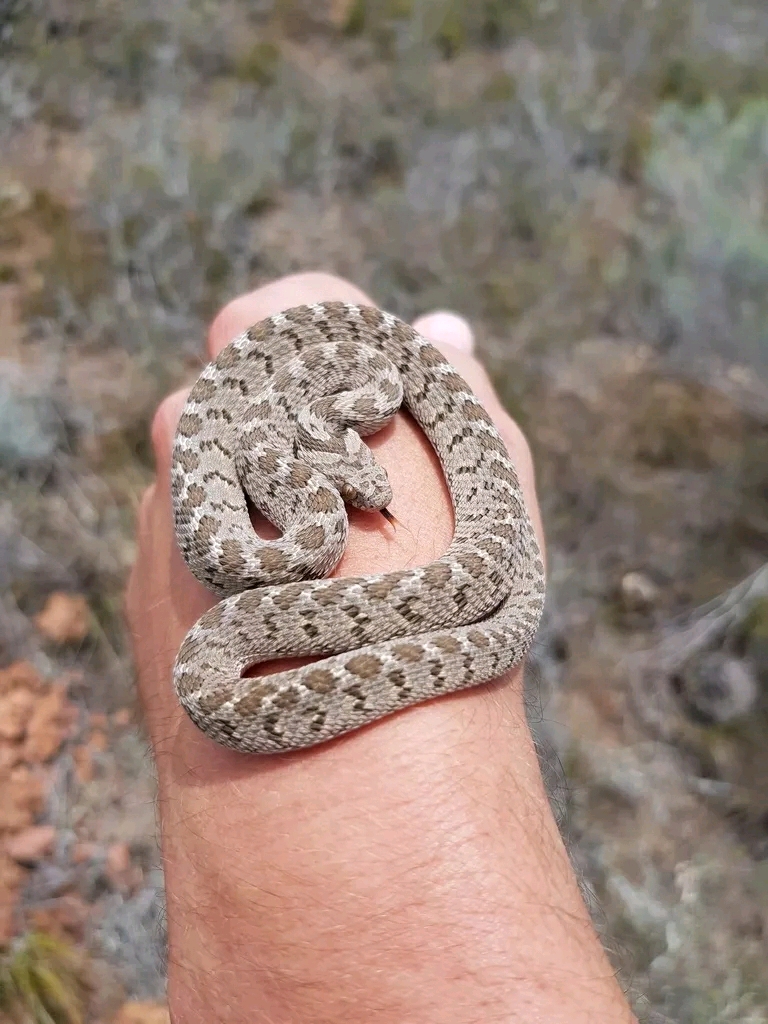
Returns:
(389, 517)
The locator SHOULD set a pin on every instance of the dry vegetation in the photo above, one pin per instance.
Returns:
(586, 181)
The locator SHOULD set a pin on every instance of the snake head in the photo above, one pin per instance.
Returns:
(367, 487)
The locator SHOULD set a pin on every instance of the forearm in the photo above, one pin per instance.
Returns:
(412, 872)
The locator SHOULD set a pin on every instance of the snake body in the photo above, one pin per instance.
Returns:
(278, 417)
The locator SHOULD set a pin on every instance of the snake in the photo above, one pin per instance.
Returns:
(275, 424)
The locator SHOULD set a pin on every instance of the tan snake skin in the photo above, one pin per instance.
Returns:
(279, 416)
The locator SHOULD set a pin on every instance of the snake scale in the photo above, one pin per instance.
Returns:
(276, 422)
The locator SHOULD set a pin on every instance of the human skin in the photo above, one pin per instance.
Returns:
(408, 873)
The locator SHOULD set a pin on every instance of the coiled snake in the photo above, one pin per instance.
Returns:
(279, 416)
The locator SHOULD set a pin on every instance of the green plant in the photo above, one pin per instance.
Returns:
(710, 261)
(41, 982)
(258, 64)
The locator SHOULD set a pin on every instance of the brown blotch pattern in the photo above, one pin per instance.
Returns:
(203, 390)
(475, 413)
(207, 528)
(502, 472)
(390, 389)
(300, 316)
(320, 680)
(437, 574)
(273, 560)
(190, 424)
(382, 589)
(268, 462)
(260, 410)
(300, 474)
(258, 332)
(188, 461)
(364, 665)
(322, 500)
(211, 701)
(371, 317)
(253, 698)
(448, 644)
(195, 495)
(473, 564)
(311, 537)
(454, 383)
(429, 356)
(408, 652)
(232, 556)
(228, 357)
(366, 408)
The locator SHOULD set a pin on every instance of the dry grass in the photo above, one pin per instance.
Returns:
(586, 181)
(41, 982)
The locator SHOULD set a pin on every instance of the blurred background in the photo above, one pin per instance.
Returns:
(587, 182)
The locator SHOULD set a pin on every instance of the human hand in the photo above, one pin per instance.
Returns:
(370, 878)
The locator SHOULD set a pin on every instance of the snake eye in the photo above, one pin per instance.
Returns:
(348, 492)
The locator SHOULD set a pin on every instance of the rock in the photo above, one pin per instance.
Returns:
(15, 198)
(718, 688)
(122, 719)
(15, 712)
(11, 879)
(305, 17)
(30, 428)
(638, 592)
(119, 867)
(20, 675)
(340, 12)
(143, 1013)
(65, 619)
(48, 725)
(66, 919)
(11, 754)
(31, 844)
(83, 759)
(82, 853)
(98, 742)
(22, 799)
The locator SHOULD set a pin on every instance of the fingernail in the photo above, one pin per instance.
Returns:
(444, 328)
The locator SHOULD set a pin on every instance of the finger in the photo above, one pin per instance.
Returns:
(447, 331)
(164, 427)
(294, 290)
(145, 509)
(455, 339)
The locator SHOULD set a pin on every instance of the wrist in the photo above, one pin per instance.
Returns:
(377, 878)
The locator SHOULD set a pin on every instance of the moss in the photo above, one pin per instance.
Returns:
(576, 769)
(356, 18)
(513, 287)
(756, 622)
(451, 37)
(386, 162)
(635, 149)
(683, 82)
(218, 268)
(683, 425)
(58, 116)
(8, 274)
(503, 20)
(76, 263)
(502, 88)
(376, 19)
(259, 64)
